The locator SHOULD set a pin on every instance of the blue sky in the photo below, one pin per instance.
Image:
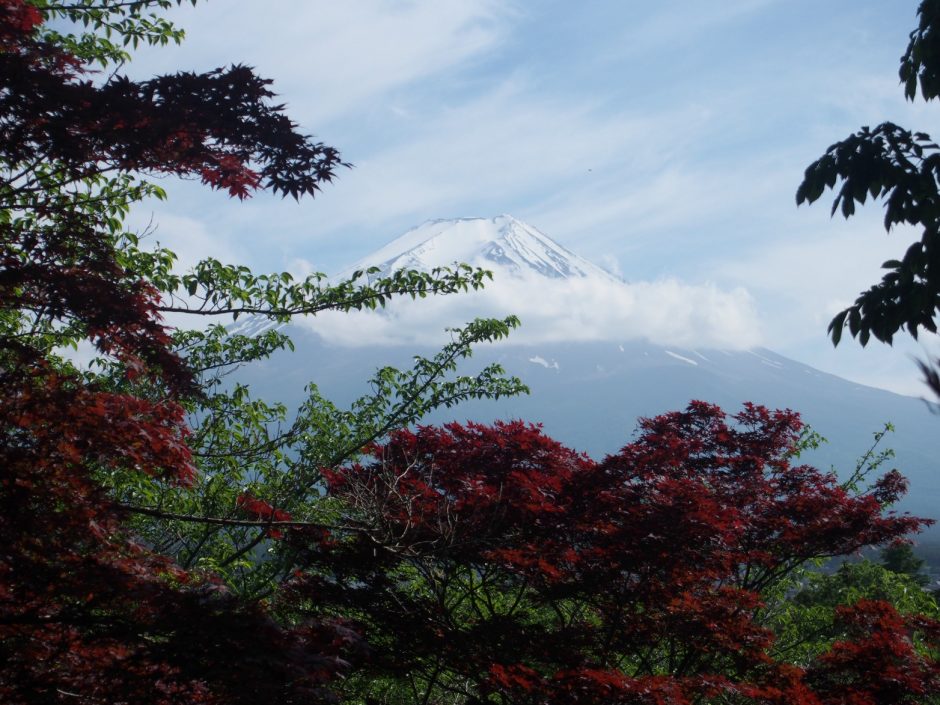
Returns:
(662, 140)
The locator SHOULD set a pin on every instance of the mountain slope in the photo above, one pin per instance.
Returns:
(589, 395)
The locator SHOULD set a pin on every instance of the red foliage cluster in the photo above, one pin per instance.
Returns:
(463, 483)
(17, 19)
(876, 663)
(86, 613)
(543, 576)
(259, 509)
(69, 272)
(218, 125)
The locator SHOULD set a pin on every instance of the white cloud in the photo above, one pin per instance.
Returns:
(818, 271)
(611, 264)
(666, 311)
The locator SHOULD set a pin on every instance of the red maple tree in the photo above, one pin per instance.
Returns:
(493, 563)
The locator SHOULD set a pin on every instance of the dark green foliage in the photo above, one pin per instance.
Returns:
(901, 168)
(899, 558)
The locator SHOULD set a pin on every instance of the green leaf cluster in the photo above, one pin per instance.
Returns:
(105, 30)
(900, 168)
(805, 622)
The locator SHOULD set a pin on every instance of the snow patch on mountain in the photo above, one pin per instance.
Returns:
(539, 360)
(767, 361)
(253, 326)
(683, 358)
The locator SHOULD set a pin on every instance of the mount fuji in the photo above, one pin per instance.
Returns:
(560, 296)
(596, 351)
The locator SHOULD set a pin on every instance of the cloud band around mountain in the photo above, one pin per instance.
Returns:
(665, 311)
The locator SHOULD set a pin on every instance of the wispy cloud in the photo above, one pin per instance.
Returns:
(331, 59)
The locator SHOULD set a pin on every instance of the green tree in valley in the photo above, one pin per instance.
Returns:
(899, 558)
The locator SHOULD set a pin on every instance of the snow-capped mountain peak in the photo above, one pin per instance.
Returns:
(558, 295)
(502, 244)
